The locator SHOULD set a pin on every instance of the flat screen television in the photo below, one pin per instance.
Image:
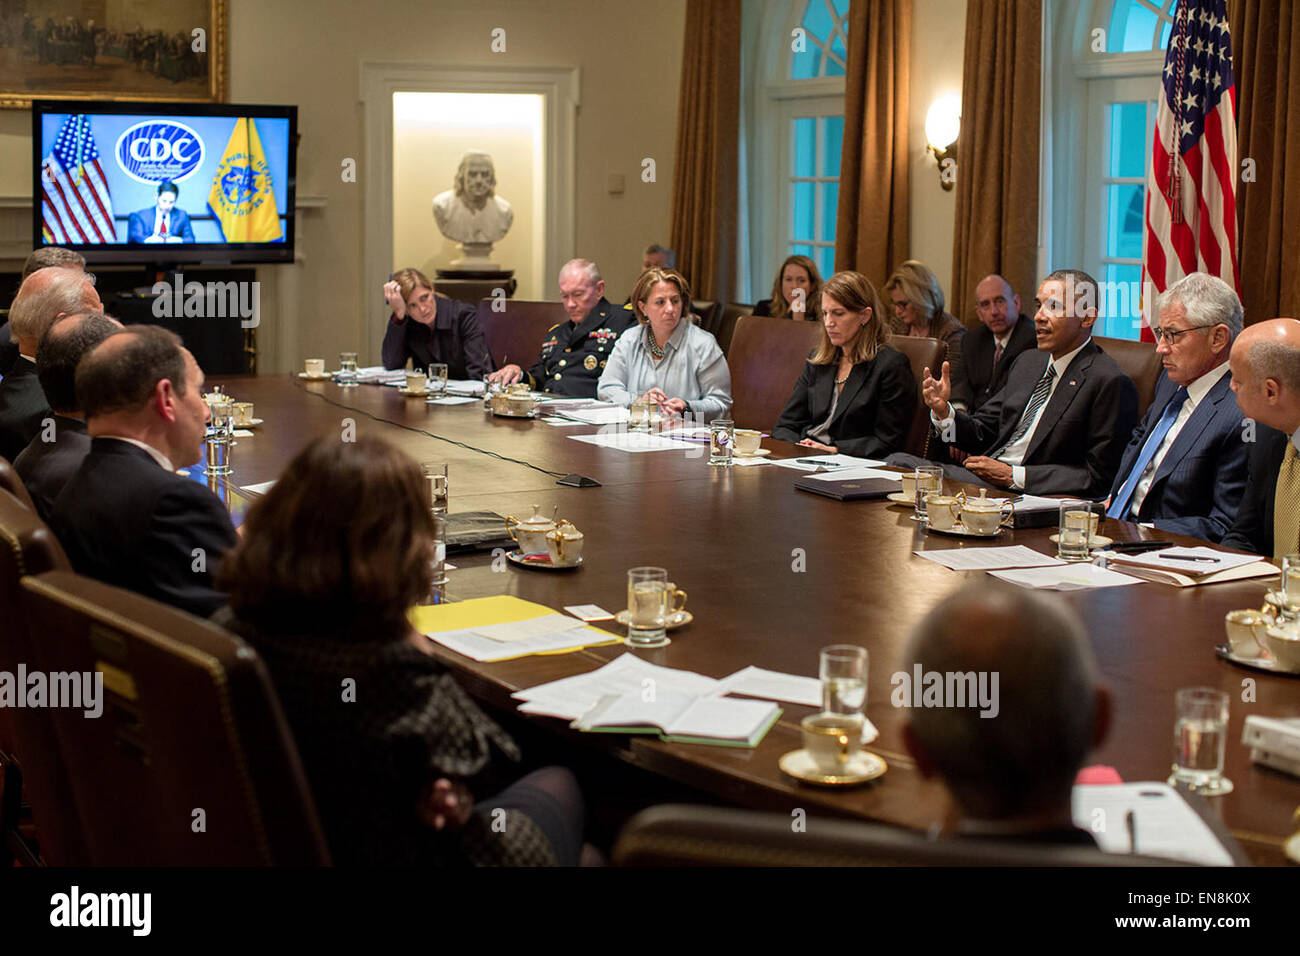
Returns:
(164, 184)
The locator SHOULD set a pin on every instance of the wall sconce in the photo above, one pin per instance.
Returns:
(942, 124)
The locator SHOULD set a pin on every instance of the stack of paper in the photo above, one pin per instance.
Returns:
(630, 441)
(378, 375)
(503, 628)
(1187, 567)
(571, 697)
(588, 412)
(1066, 577)
(986, 559)
(1147, 818)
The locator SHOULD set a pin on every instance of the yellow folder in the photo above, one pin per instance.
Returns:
(499, 609)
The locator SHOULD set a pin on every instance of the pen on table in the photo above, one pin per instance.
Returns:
(1197, 557)
(819, 462)
(1130, 822)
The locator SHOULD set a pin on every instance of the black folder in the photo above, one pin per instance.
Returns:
(849, 489)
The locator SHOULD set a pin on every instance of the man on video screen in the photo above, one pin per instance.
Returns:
(162, 222)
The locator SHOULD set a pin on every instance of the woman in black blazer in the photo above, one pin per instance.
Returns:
(856, 395)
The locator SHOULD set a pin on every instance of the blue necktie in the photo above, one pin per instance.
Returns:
(1119, 507)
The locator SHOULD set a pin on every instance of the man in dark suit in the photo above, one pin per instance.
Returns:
(47, 463)
(1265, 365)
(164, 221)
(125, 516)
(1185, 468)
(574, 353)
(44, 296)
(1060, 423)
(1009, 752)
(988, 351)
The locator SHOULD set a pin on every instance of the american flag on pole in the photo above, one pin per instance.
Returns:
(1191, 214)
(75, 205)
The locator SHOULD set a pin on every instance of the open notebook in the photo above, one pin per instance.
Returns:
(1188, 567)
(682, 718)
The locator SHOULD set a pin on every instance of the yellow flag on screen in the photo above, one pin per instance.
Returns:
(242, 197)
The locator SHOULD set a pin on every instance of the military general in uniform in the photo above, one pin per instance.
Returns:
(574, 353)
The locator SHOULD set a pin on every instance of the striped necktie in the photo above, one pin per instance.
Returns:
(1286, 506)
(1119, 507)
(997, 353)
(1036, 401)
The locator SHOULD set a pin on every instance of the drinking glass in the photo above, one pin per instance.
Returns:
(435, 483)
(1077, 527)
(639, 414)
(721, 434)
(436, 377)
(347, 369)
(217, 445)
(929, 481)
(843, 674)
(490, 389)
(1200, 734)
(438, 584)
(647, 605)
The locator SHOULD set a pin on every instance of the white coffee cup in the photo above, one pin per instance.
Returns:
(746, 441)
(831, 740)
(314, 366)
(1245, 631)
(416, 382)
(942, 510)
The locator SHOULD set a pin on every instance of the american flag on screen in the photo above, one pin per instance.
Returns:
(1191, 214)
(75, 204)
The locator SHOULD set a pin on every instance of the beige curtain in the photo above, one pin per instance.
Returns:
(1265, 34)
(872, 232)
(997, 152)
(705, 175)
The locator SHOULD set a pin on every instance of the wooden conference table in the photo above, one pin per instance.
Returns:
(730, 537)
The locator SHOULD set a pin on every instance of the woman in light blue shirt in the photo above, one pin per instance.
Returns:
(665, 359)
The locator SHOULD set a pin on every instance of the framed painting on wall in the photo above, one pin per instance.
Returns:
(112, 50)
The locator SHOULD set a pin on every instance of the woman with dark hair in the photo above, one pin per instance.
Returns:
(856, 394)
(796, 291)
(320, 584)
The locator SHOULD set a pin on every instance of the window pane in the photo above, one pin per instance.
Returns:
(801, 210)
(807, 64)
(830, 204)
(832, 145)
(1120, 302)
(801, 250)
(817, 21)
(841, 8)
(804, 132)
(1128, 136)
(1132, 28)
(825, 262)
(1165, 34)
(837, 57)
(1124, 220)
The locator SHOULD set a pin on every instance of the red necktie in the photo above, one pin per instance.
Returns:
(162, 230)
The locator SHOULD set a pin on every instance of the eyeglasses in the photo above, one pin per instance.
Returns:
(1173, 334)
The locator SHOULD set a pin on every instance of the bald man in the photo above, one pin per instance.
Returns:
(988, 351)
(1265, 362)
(45, 296)
(125, 517)
(1009, 767)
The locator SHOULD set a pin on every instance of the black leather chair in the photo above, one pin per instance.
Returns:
(515, 335)
(1139, 361)
(10, 482)
(686, 835)
(191, 762)
(731, 313)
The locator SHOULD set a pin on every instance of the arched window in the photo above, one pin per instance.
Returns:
(1104, 87)
(794, 55)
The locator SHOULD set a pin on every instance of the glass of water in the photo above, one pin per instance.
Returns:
(929, 481)
(438, 584)
(435, 483)
(648, 600)
(1076, 529)
(1200, 734)
(843, 674)
(721, 433)
(347, 369)
(436, 379)
(1289, 588)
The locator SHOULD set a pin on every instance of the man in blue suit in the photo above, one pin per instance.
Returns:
(162, 222)
(1185, 468)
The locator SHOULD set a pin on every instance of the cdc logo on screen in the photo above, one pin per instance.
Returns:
(159, 149)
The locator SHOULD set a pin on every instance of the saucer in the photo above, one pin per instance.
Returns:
(761, 453)
(959, 531)
(1267, 664)
(862, 766)
(421, 393)
(900, 498)
(1095, 542)
(675, 620)
(541, 562)
(251, 423)
(322, 377)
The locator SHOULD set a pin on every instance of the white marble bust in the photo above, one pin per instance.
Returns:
(472, 213)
